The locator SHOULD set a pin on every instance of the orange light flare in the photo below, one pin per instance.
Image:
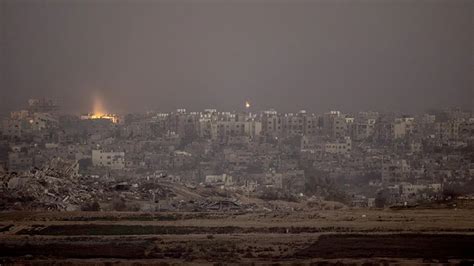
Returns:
(98, 108)
(99, 111)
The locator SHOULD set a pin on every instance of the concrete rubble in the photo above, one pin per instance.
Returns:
(54, 187)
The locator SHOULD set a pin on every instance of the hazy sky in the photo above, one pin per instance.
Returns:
(316, 55)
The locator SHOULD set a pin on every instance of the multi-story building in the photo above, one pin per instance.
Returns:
(395, 171)
(341, 146)
(448, 130)
(272, 123)
(402, 127)
(111, 159)
(364, 125)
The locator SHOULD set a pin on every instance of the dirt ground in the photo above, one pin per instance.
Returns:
(346, 236)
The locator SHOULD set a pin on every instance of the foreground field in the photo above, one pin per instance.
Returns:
(358, 236)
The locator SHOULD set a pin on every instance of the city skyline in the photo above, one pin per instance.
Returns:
(98, 108)
(242, 132)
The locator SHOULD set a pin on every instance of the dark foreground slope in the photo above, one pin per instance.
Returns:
(331, 236)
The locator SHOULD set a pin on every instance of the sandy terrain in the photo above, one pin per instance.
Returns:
(357, 236)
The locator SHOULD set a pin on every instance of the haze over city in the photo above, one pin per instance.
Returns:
(253, 132)
(314, 55)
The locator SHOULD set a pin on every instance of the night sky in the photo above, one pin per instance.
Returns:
(290, 55)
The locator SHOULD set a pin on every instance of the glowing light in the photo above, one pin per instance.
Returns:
(247, 104)
(99, 111)
(112, 117)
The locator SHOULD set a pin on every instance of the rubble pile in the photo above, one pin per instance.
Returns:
(54, 187)
(160, 191)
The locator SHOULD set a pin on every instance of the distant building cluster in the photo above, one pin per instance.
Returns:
(362, 159)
